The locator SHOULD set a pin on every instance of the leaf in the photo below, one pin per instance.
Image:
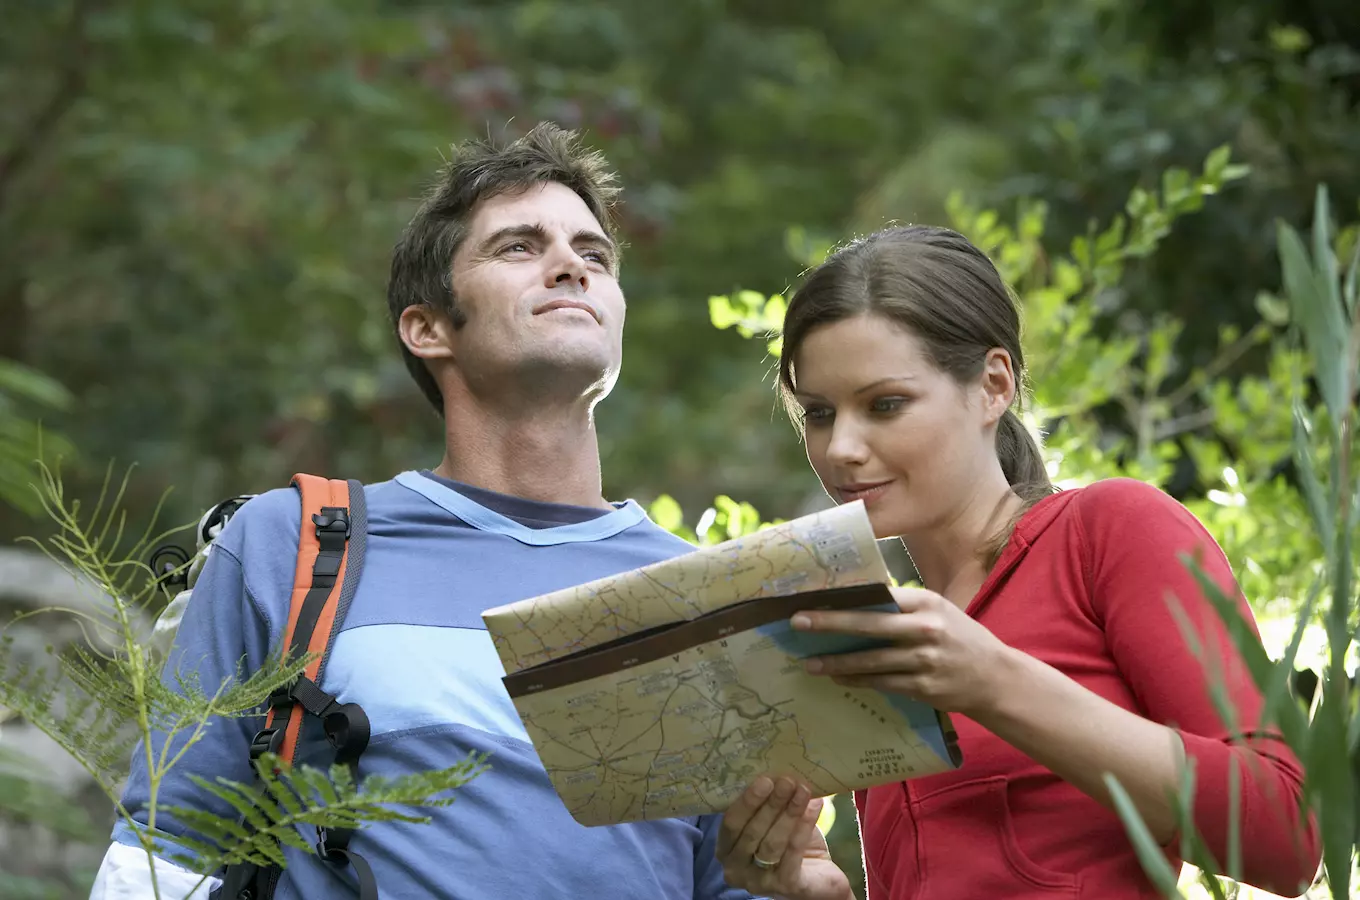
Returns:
(666, 512)
(1332, 780)
(1149, 853)
(21, 382)
(1319, 319)
(1217, 161)
(1351, 289)
(290, 797)
(1273, 309)
(1323, 258)
(1265, 672)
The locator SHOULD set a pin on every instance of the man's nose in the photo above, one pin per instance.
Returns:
(568, 266)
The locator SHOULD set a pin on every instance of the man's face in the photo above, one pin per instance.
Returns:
(536, 284)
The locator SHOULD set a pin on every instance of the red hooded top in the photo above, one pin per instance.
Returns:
(1083, 586)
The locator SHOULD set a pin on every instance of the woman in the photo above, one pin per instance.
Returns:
(1050, 623)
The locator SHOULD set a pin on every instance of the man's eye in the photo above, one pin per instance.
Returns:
(517, 247)
(598, 256)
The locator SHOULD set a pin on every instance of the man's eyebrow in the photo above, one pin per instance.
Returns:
(500, 235)
(530, 232)
(586, 236)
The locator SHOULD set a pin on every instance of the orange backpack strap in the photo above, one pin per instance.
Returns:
(314, 614)
(329, 560)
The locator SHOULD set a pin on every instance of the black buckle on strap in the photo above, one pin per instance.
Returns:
(281, 697)
(268, 740)
(348, 730)
(332, 520)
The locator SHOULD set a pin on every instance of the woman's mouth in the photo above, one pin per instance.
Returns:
(868, 491)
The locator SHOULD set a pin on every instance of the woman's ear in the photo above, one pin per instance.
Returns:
(998, 384)
(426, 332)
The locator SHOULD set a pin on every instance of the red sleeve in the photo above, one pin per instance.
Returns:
(1134, 535)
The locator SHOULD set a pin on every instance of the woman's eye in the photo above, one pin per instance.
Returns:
(888, 404)
(817, 414)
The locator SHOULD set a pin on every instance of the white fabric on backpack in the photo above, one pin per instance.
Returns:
(125, 875)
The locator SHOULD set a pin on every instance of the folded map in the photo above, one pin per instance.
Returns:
(665, 690)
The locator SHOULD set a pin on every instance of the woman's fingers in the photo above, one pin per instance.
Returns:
(919, 626)
(888, 660)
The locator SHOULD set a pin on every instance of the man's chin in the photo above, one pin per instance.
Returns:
(572, 372)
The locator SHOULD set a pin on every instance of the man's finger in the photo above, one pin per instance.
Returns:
(759, 824)
(774, 846)
(800, 839)
(737, 816)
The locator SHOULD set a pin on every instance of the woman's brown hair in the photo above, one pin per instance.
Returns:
(944, 290)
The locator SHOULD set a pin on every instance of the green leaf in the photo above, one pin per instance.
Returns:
(1273, 309)
(1307, 467)
(1351, 290)
(1217, 161)
(1265, 672)
(1332, 780)
(666, 512)
(1151, 856)
(1319, 318)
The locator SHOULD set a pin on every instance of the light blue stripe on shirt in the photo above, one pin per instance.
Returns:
(621, 518)
(386, 669)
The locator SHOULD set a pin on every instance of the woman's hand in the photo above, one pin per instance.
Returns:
(939, 654)
(769, 844)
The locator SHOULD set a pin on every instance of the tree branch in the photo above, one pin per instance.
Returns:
(70, 86)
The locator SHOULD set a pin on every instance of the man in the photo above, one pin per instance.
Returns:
(505, 297)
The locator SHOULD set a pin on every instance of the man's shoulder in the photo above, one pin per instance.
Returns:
(275, 516)
(666, 543)
(268, 521)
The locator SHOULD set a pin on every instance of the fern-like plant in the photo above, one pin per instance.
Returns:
(101, 699)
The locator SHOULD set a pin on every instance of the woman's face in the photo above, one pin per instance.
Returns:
(882, 424)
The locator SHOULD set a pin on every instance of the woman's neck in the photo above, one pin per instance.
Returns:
(950, 557)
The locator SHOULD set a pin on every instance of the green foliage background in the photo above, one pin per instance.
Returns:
(198, 200)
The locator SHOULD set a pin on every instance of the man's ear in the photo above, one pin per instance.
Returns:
(427, 332)
(998, 384)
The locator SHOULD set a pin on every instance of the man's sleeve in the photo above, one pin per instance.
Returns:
(223, 635)
(709, 883)
(1146, 597)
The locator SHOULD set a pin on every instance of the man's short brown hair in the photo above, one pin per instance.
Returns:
(477, 170)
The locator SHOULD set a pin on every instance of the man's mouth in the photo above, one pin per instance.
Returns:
(567, 303)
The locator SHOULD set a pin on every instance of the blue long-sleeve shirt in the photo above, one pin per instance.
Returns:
(414, 654)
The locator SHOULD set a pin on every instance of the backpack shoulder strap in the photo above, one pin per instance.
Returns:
(329, 559)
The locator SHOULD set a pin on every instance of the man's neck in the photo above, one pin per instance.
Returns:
(548, 455)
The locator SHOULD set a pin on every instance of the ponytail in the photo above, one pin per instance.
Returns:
(1023, 465)
(1021, 460)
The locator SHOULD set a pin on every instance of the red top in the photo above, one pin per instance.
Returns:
(1082, 586)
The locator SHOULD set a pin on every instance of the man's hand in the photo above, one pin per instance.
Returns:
(769, 844)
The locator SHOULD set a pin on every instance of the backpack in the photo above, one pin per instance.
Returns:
(329, 562)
